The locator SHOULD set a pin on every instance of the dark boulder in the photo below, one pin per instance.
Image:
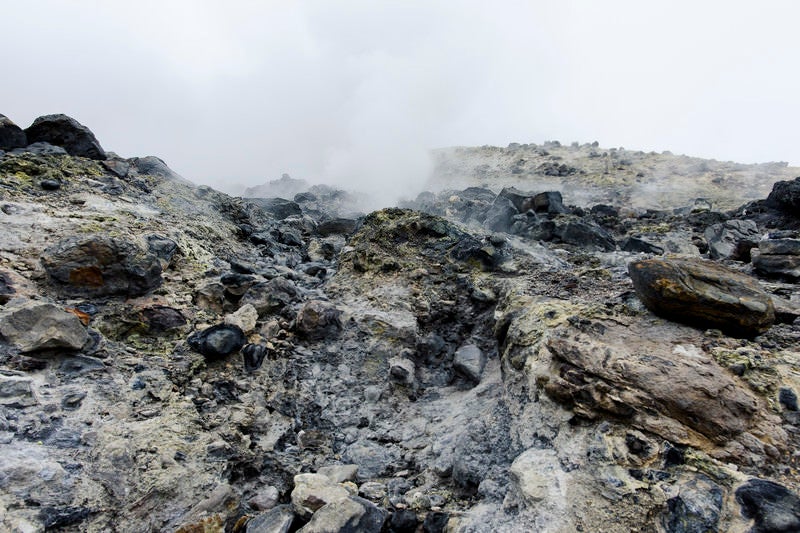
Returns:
(695, 508)
(11, 135)
(218, 341)
(785, 196)
(277, 520)
(639, 245)
(68, 133)
(160, 319)
(549, 202)
(337, 226)
(732, 239)
(162, 247)
(402, 521)
(772, 507)
(585, 235)
(152, 166)
(271, 296)
(500, 215)
(778, 257)
(253, 355)
(704, 294)
(278, 207)
(318, 319)
(435, 522)
(521, 200)
(97, 265)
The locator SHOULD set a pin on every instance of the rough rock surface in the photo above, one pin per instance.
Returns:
(11, 135)
(64, 131)
(703, 293)
(32, 325)
(459, 365)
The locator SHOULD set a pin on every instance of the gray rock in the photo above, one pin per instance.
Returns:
(703, 293)
(402, 370)
(372, 459)
(265, 499)
(277, 520)
(373, 490)
(271, 296)
(339, 473)
(785, 196)
(538, 476)
(11, 135)
(312, 491)
(16, 392)
(639, 245)
(787, 266)
(732, 239)
(469, 360)
(34, 325)
(68, 133)
(98, 265)
(278, 207)
(784, 246)
(695, 509)
(350, 515)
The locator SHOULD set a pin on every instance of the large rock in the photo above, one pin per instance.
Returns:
(11, 135)
(218, 341)
(271, 296)
(349, 515)
(696, 507)
(98, 265)
(277, 520)
(732, 239)
(312, 491)
(469, 360)
(785, 196)
(318, 319)
(68, 133)
(778, 258)
(704, 294)
(33, 325)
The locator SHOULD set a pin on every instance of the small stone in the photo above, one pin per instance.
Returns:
(372, 490)
(253, 355)
(349, 514)
(50, 184)
(469, 360)
(312, 491)
(266, 498)
(788, 399)
(276, 520)
(245, 317)
(318, 319)
(16, 392)
(435, 522)
(401, 370)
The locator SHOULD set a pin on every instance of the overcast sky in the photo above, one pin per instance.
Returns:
(354, 92)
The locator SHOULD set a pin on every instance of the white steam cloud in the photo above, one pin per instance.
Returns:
(355, 92)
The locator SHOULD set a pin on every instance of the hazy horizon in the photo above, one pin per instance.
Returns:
(355, 93)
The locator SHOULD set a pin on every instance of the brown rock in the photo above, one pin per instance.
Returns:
(703, 294)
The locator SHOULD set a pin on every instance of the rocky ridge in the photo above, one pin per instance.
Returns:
(479, 359)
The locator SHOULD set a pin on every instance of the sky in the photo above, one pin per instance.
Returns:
(356, 92)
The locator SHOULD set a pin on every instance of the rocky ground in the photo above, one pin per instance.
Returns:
(483, 358)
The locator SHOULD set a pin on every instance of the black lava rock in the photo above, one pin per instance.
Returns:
(637, 245)
(68, 133)
(254, 355)
(50, 185)
(435, 522)
(773, 508)
(403, 521)
(161, 247)
(218, 341)
(787, 398)
(11, 135)
(785, 196)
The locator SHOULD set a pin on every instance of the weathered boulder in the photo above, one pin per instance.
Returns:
(778, 257)
(785, 196)
(318, 319)
(280, 208)
(97, 265)
(312, 491)
(68, 133)
(772, 507)
(351, 514)
(276, 520)
(339, 473)
(11, 135)
(732, 239)
(34, 325)
(245, 318)
(271, 296)
(584, 234)
(538, 476)
(218, 341)
(640, 245)
(702, 293)
(697, 506)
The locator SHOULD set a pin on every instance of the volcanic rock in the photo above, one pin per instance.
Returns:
(218, 341)
(348, 514)
(732, 239)
(68, 133)
(785, 196)
(318, 319)
(34, 325)
(703, 294)
(11, 135)
(97, 265)
(771, 506)
(312, 491)
(470, 361)
(276, 520)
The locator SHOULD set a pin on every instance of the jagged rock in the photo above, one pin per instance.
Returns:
(785, 196)
(68, 133)
(780, 246)
(245, 318)
(402, 370)
(538, 476)
(317, 319)
(373, 490)
(254, 355)
(33, 325)
(218, 341)
(732, 239)
(639, 245)
(696, 507)
(500, 215)
(236, 284)
(470, 360)
(7, 290)
(161, 318)
(277, 520)
(771, 506)
(585, 235)
(778, 257)
(162, 247)
(349, 514)
(210, 297)
(97, 265)
(339, 473)
(435, 522)
(270, 297)
(11, 135)
(278, 207)
(702, 293)
(265, 499)
(312, 491)
(403, 521)
(372, 459)
(16, 392)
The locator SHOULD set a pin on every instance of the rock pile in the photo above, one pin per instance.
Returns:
(172, 358)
